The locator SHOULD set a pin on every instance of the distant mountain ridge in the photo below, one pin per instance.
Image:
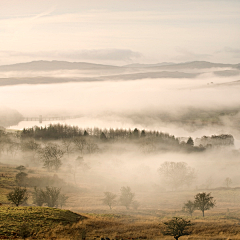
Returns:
(52, 65)
(89, 72)
(64, 65)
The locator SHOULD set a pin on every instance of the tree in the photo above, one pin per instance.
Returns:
(50, 196)
(148, 145)
(228, 182)
(126, 197)
(103, 136)
(67, 145)
(38, 197)
(135, 133)
(21, 168)
(80, 143)
(189, 207)
(109, 199)
(190, 142)
(21, 178)
(177, 174)
(51, 156)
(18, 196)
(204, 201)
(92, 147)
(177, 227)
(143, 133)
(31, 146)
(135, 205)
(62, 200)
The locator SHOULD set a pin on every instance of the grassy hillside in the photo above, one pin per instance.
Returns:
(34, 221)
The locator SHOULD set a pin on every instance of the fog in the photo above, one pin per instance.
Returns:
(149, 103)
(204, 105)
(122, 96)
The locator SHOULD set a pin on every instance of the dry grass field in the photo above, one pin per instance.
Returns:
(146, 222)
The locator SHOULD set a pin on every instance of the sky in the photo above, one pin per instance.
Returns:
(120, 32)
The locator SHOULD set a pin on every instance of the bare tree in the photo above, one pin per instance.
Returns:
(67, 145)
(92, 147)
(204, 201)
(80, 143)
(30, 145)
(176, 174)
(51, 156)
(110, 199)
(126, 197)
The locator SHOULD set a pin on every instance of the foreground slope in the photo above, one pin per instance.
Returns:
(36, 220)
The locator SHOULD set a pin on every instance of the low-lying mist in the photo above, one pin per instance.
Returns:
(202, 104)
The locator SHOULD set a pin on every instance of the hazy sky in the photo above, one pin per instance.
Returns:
(120, 31)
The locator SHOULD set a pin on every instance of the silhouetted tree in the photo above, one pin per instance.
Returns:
(18, 196)
(204, 201)
(86, 133)
(51, 156)
(103, 136)
(143, 133)
(135, 133)
(190, 141)
(177, 227)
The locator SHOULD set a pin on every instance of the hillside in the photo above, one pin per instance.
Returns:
(33, 221)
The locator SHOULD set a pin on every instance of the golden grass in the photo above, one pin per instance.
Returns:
(138, 227)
